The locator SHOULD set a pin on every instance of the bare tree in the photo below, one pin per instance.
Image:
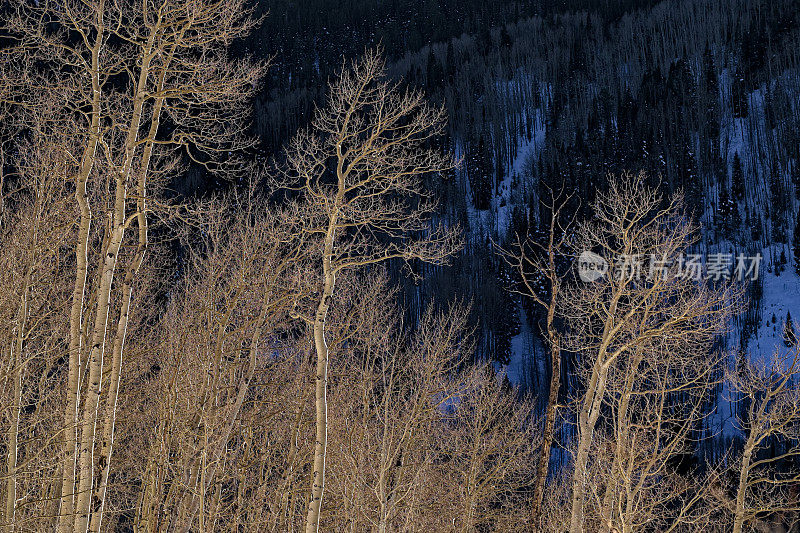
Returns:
(388, 387)
(123, 71)
(630, 310)
(358, 169)
(493, 431)
(415, 421)
(771, 424)
(31, 261)
(655, 399)
(541, 278)
(214, 364)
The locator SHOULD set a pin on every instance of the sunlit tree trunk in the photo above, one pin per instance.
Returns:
(17, 368)
(66, 512)
(376, 139)
(321, 378)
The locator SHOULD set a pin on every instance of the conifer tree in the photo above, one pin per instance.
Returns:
(739, 101)
(689, 178)
(727, 213)
(789, 334)
(710, 87)
(795, 177)
(479, 172)
(435, 71)
(450, 62)
(737, 177)
(779, 204)
(796, 244)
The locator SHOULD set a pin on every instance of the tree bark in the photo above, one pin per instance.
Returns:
(104, 461)
(586, 423)
(549, 423)
(16, 364)
(744, 470)
(66, 511)
(321, 347)
(88, 425)
(744, 473)
(85, 504)
(589, 413)
(616, 464)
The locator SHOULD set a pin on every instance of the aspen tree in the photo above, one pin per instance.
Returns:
(359, 169)
(31, 256)
(656, 399)
(128, 70)
(537, 268)
(213, 360)
(631, 309)
(772, 418)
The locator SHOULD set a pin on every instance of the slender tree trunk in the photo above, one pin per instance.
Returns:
(2, 185)
(579, 475)
(146, 511)
(549, 422)
(66, 511)
(196, 503)
(622, 440)
(104, 460)
(86, 494)
(554, 245)
(589, 413)
(83, 503)
(741, 493)
(586, 423)
(469, 514)
(321, 347)
(388, 459)
(607, 507)
(287, 507)
(16, 363)
(11, 443)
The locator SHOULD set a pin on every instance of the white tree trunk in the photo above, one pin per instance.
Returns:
(321, 347)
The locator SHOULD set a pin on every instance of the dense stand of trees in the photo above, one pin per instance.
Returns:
(316, 347)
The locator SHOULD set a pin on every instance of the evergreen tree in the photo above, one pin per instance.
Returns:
(689, 179)
(779, 204)
(505, 322)
(450, 60)
(710, 95)
(796, 243)
(728, 219)
(737, 178)
(435, 72)
(755, 228)
(743, 405)
(789, 334)
(796, 179)
(505, 39)
(739, 95)
(479, 172)
(484, 41)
